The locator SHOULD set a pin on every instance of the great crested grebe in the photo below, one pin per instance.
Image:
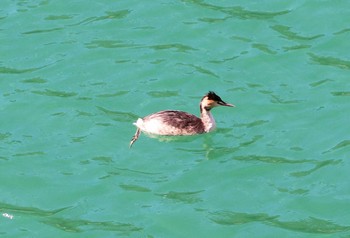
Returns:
(173, 123)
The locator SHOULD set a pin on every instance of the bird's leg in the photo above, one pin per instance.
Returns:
(135, 137)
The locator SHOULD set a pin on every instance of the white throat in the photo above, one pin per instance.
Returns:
(208, 120)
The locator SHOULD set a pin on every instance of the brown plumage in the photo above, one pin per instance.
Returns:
(183, 122)
(173, 123)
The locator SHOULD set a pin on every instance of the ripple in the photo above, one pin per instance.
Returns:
(84, 114)
(9, 208)
(296, 47)
(185, 197)
(109, 44)
(137, 172)
(26, 6)
(109, 95)
(293, 191)
(80, 225)
(242, 13)
(241, 38)
(270, 159)
(213, 20)
(34, 81)
(53, 93)
(108, 16)
(103, 159)
(252, 124)
(162, 94)
(281, 160)
(346, 30)
(224, 151)
(330, 61)
(78, 139)
(318, 83)
(201, 70)
(279, 100)
(264, 48)
(7, 70)
(239, 12)
(237, 218)
(34, 153)
(42, 31)
(309, 225)
(174, 46)
(341, 94)
(4, 136)
(287, 33)
(119, 116)
(340, 145)
(223, 60)
(318, 165)
(58, 17)
(135, 188)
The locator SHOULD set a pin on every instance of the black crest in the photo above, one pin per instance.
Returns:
(212, 96)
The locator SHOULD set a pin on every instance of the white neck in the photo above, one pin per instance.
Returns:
(208, 120)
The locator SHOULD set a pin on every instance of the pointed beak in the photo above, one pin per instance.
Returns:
(222, 103)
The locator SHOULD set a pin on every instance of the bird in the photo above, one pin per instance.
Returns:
(179, 123)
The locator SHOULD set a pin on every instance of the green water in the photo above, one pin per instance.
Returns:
(74, 75)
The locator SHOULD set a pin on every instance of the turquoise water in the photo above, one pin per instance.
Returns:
(75, 75)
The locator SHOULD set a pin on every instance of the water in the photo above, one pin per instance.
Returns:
(74, 76)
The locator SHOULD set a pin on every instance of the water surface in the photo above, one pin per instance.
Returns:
(74, 76)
